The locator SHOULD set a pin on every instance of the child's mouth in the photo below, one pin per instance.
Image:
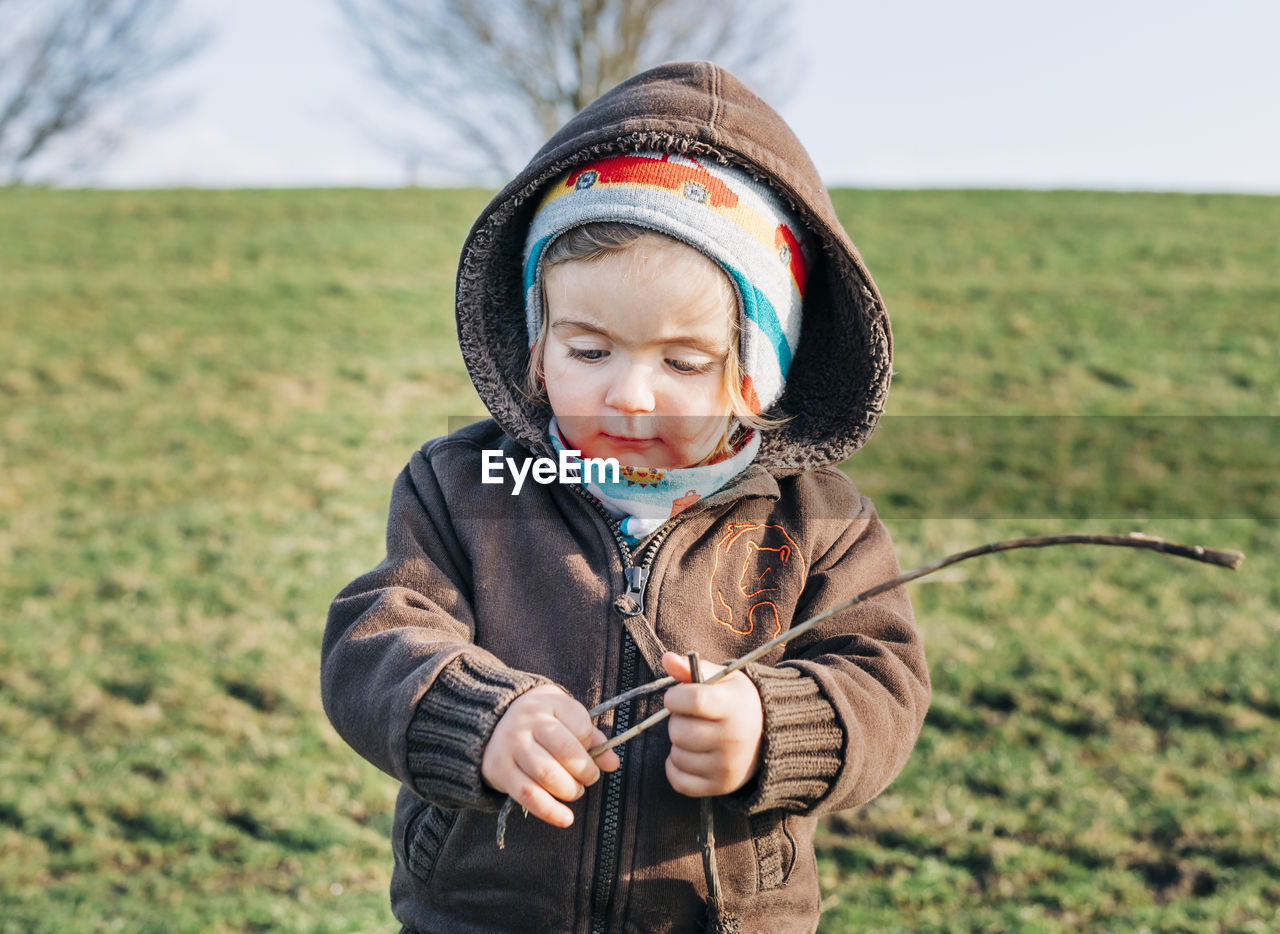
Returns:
(620, 439)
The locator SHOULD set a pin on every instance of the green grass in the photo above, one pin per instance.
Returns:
(206, 395)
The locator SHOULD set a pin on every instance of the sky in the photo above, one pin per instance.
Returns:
(1168, 95)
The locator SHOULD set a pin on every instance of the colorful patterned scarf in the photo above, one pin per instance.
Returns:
(646, 497)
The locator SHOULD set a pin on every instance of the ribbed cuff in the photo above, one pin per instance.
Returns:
(803, 746)
(452, 725)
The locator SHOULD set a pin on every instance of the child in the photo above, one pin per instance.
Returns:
(666, 285)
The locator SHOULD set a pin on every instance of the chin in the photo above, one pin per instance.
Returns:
(633, 455)
(655, 452)
(649, 454)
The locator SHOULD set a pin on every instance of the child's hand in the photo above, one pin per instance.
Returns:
(538, 752)
(715, 730)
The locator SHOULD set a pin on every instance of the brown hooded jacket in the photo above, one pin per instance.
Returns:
(484, 595)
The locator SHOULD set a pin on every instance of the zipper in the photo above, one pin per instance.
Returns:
(630, 603)
(611, 818)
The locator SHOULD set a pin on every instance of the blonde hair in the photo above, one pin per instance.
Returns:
(603, 238)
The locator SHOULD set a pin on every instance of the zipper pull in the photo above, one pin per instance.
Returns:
(631, 603)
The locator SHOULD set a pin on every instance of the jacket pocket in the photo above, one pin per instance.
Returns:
(424, 838)
(775, 848)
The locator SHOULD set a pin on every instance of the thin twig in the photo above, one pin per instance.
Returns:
(1221, 558)
(706, 821)
(1226, 559)
(643, 690)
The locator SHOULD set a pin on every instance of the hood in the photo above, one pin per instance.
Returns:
(836, 389)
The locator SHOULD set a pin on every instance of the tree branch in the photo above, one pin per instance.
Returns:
(1226, 559)
(74, 60)
(503, 75)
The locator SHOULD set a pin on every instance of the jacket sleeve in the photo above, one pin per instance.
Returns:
(401, 678)
(845, 705)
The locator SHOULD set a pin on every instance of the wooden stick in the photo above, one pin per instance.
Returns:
(643, 690)
(1226, 559)
(706, 820)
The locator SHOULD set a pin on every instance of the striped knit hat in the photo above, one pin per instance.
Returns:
(739, 222)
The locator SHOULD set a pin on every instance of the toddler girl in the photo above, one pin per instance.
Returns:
(665, 287)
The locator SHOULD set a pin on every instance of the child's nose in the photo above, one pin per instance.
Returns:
(631, 390)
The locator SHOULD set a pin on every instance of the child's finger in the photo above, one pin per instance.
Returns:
(698, 765)
(677, 666)
(709, 702)
(687, 698)
(608, 760)
(567, 750)
(685, 778)
(719, 701)
(531, 796)
(695, 734)
(574, 717)
(546, 771)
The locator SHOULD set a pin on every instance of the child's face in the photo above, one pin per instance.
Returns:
(635, 355)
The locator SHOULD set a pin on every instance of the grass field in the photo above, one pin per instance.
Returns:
(204, 397)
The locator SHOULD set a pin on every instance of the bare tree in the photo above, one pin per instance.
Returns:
(501, 75)
(67, 65)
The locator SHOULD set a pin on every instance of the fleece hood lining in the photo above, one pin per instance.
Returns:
(837, 387)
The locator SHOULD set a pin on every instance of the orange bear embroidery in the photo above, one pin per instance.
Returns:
(752, 560)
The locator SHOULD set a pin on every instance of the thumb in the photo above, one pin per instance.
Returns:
(677, 666)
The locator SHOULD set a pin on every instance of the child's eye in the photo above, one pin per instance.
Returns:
(587, 353)
(684, 366)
